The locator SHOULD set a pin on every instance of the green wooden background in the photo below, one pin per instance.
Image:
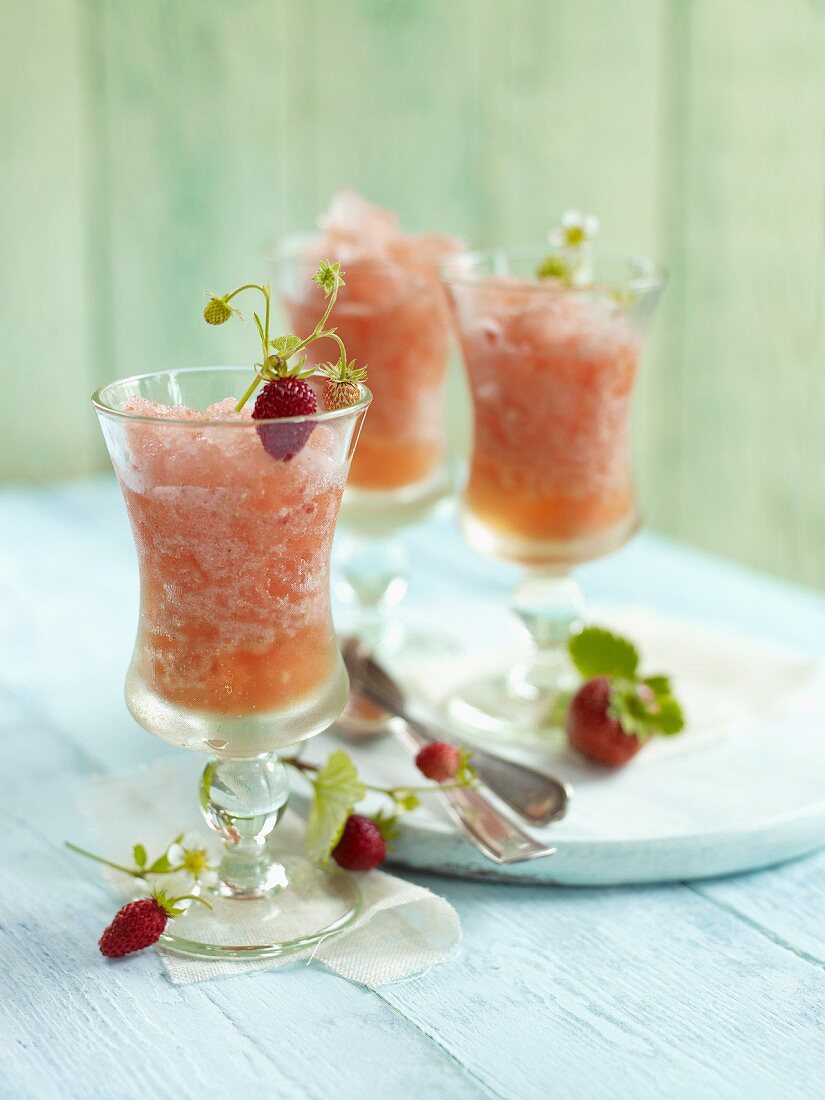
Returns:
(150, 149)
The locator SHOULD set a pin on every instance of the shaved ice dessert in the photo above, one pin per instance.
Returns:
(392, 314)
(551, 370)
(235, 631)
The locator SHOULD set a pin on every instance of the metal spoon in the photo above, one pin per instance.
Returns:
(538, 798)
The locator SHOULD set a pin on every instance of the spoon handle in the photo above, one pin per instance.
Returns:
(536, 797)
(498, 837)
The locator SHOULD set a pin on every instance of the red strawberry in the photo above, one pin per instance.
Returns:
(137, 925)
(591, 730)
(282, 397)
(439, 761)
(361, 847)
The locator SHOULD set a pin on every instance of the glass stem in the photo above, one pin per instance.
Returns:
(374, 576)
(242, 800)
(548, 604)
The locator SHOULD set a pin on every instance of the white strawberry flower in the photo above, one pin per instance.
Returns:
(576, 229)
(190, 857)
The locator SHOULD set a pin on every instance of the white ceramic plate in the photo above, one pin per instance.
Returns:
(743, 787)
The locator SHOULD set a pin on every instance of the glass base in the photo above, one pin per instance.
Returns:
(511, 707)
(305, 905)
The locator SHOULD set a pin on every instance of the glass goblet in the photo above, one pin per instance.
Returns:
(235, 653)
(392, 315)
(551, 369)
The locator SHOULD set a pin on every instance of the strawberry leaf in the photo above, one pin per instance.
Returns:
(387, 824)
(336, 789)
(285, 345)
(642, 711)
(660, 685)
(161, 865)
(671, 718)
(598, 652)
(140, 857)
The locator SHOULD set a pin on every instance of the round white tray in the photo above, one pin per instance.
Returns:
(742, 788)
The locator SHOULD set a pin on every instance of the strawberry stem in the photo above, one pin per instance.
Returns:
(192, 897)
(135, 873)
(391, 792)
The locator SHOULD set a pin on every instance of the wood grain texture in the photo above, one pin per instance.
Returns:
(152, 151)
(751, 406)
(79, 1026)
(609, 993)
(44, 288)
(710, 992)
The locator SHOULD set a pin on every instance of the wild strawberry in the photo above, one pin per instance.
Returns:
(339, 395)
(217, 311)
(592, 731)
(361, 847)
(284, 397)
(137, 925)
(341, 388)
(141, 923)
(439, 761)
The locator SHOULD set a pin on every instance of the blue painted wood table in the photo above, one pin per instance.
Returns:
(714, 989)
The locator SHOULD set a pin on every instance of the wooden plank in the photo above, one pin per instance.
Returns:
(401, 76)
(611, 989)
(76, 1025)
(570, 120)
(609, 993)
(785, 903)
(44, 289)
(749, 416)
(198, 159)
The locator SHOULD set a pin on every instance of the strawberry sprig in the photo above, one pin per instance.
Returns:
(337, 789)
(277, 352)
(141, 923)
(643, 705)
(189, 858)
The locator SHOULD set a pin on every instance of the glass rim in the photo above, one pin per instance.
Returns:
(322, 417)
(288, 250)
(462, 270)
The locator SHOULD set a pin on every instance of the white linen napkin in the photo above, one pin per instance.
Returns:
(401, 930)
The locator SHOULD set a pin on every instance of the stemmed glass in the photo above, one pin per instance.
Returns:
(551, 365)
(235, 653)
(392, 315)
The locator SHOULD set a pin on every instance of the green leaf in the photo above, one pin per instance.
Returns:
(644, 712)
(671, 717)
(598, 652)
(285, 345)
(466, 774)
(660, 685)
(630, 709)
(388, 825)
(336, 789)
(406, 800)
(160, 866)
(139, 853)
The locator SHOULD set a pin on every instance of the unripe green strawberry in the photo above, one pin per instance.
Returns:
(217, 311)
